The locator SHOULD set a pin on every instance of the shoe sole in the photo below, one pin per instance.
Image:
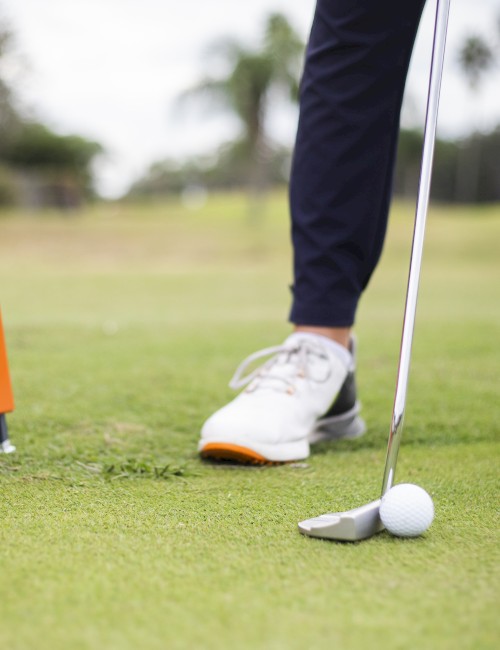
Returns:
(258, 454)
(235, 453)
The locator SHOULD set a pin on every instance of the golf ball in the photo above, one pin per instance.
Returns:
(406, 510)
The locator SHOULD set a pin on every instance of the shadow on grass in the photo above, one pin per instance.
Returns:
(411, 438)
(255, 467)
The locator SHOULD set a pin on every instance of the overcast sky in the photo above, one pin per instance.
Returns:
(111, 69)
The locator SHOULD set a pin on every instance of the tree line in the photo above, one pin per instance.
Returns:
(41, 167)
(465, 170)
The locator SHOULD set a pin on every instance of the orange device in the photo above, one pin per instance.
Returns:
(6, 394)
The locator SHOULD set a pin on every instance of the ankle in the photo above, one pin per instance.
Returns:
(341, 335)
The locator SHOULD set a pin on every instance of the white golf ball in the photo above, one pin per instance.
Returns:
(406, 510)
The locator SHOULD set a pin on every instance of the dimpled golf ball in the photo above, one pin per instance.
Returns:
(406, 510)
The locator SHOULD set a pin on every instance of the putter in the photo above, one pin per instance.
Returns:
(364, 522)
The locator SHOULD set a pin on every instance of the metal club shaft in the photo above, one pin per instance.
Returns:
(441, 24)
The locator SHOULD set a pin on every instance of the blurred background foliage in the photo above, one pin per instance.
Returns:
(39, 167)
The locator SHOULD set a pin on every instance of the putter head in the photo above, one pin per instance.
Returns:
(349, 526)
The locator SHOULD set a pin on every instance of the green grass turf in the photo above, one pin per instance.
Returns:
(124, 325)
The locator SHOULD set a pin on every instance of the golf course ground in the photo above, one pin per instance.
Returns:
(124, 324)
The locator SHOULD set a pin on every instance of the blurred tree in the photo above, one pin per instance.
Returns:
(36, 146)
(252, 78)
(486, 168)
(53, 169)
(9, 117)
(476, 57)
(225, 171)
(448, 156)
(37, 166)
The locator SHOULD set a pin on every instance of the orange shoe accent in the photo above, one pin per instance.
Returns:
(228, 451)
(6, 395)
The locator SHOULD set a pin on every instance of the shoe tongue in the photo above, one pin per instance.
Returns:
(324, 344)
(295, 338)
(284, 370)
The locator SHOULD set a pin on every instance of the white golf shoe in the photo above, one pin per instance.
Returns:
(304, 393)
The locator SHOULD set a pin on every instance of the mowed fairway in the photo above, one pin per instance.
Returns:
(124, 325)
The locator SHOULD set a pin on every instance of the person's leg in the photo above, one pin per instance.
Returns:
(351, 93)
(350, 102)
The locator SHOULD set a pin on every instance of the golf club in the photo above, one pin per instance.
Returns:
(364, 522)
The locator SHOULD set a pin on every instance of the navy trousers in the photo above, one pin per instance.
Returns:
(350, 102)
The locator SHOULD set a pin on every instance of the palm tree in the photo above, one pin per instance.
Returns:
(476, 57)
(253, 79)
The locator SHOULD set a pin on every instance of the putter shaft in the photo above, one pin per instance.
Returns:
(442, 12)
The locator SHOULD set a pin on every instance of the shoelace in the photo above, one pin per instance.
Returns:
(296, 356)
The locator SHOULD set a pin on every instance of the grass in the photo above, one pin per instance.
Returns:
(124, 325)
